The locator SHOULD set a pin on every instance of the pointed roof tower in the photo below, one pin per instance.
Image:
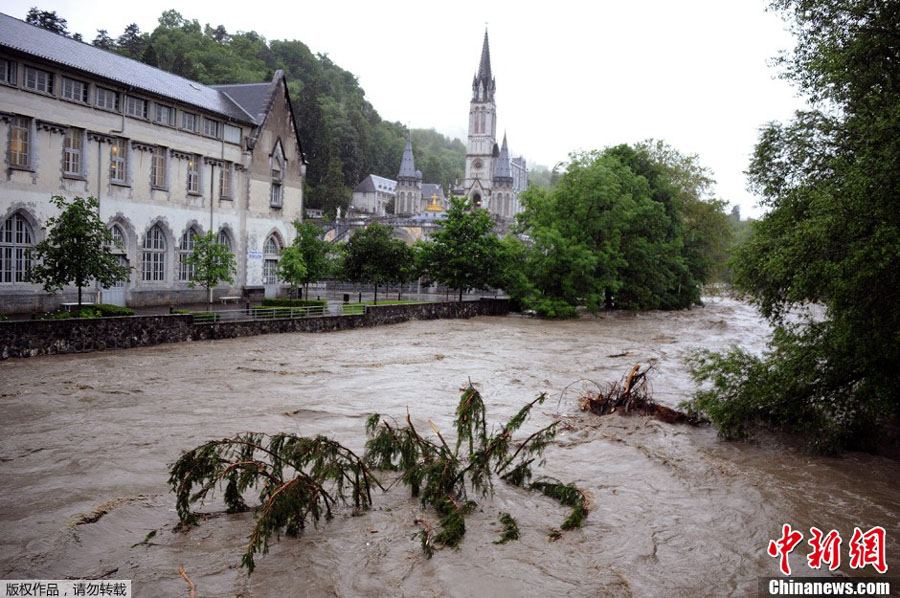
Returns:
(484, 76)
(407, 164)
(502, 170)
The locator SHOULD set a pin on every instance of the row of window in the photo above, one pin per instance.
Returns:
(17, 240)
(75, 90)
(20, 156)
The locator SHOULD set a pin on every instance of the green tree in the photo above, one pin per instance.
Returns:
(404, 265)
(369, 257)
(314, 252)
(77, 249)
(464, 253)
(103, 40)
(831, 237)
(47, 19)
(212, 262)
(292, 267)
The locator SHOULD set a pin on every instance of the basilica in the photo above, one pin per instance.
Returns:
(492, 179)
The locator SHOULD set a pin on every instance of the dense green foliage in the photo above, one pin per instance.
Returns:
(372, 256)
(343, 136)
(463, 253)
(830, 179)
(292, 267)
(313, 250)
(77, 249)
(213, 263)
(629, 227)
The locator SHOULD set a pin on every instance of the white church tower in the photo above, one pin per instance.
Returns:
(482, 147)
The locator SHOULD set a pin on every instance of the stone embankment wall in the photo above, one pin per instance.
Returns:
(47, 337)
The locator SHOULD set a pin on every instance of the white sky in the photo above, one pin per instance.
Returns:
(570, 75)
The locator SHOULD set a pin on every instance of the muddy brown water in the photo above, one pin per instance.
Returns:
(675, 510)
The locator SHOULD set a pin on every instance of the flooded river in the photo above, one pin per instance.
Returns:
(676, 511)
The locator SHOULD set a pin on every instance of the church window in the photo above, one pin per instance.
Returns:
(73, 152)
(118, 161)
(276, 198)
(20, 142)
(224, 239)
(158, 167)
(193, 175)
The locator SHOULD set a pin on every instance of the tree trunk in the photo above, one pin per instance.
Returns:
(209, 295)
(79, 297)
(376, 295)
(460, 294)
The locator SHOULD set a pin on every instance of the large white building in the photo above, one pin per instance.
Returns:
(167, 157)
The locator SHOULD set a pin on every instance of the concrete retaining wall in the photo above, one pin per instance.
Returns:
(46, 337)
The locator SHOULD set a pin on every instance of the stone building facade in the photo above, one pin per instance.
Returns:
(492, 181)
(373, 196)
(167, 157)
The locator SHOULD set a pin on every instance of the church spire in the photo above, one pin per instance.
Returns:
(407, 164)
(502, 170)
(483, 85)
(484, 67)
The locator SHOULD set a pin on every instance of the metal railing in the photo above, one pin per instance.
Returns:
(261, 313)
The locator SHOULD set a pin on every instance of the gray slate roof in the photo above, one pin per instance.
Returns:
(252, 97)
(501, 168)
(407, 164)
(373, 183)
(21, 37)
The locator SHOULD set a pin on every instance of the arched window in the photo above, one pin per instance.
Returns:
(153, 257)
(225, 239)
(271, 253)
(118, 237)
(185, 248)
(16, 241)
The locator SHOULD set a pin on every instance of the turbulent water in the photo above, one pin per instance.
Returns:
(675, 511)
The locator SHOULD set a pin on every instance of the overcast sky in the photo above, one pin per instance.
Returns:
(570, 75)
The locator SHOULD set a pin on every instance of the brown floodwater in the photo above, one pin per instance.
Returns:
(675, 510)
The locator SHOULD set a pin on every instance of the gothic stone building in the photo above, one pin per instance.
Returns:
(492, 180)
(168, 158)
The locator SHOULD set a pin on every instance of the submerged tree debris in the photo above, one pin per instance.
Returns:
(298, 478)
(632, 395)
(302, 479)
(442, 476)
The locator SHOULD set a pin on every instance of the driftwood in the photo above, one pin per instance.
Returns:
(632, 395)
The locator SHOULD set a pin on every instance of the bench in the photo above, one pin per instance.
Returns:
(69, 305)
(225, 300)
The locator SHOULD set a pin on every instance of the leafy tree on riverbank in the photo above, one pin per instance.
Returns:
(213, 263)
(629, 227)
(313, 250)
(831, 237)
(464, 253)
(77, 249)
(370, 257)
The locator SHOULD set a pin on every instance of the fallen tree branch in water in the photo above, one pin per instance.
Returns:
(303, 479)
(192, 589)
(631, 395)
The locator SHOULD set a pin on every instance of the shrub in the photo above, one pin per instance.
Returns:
(107, 310)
